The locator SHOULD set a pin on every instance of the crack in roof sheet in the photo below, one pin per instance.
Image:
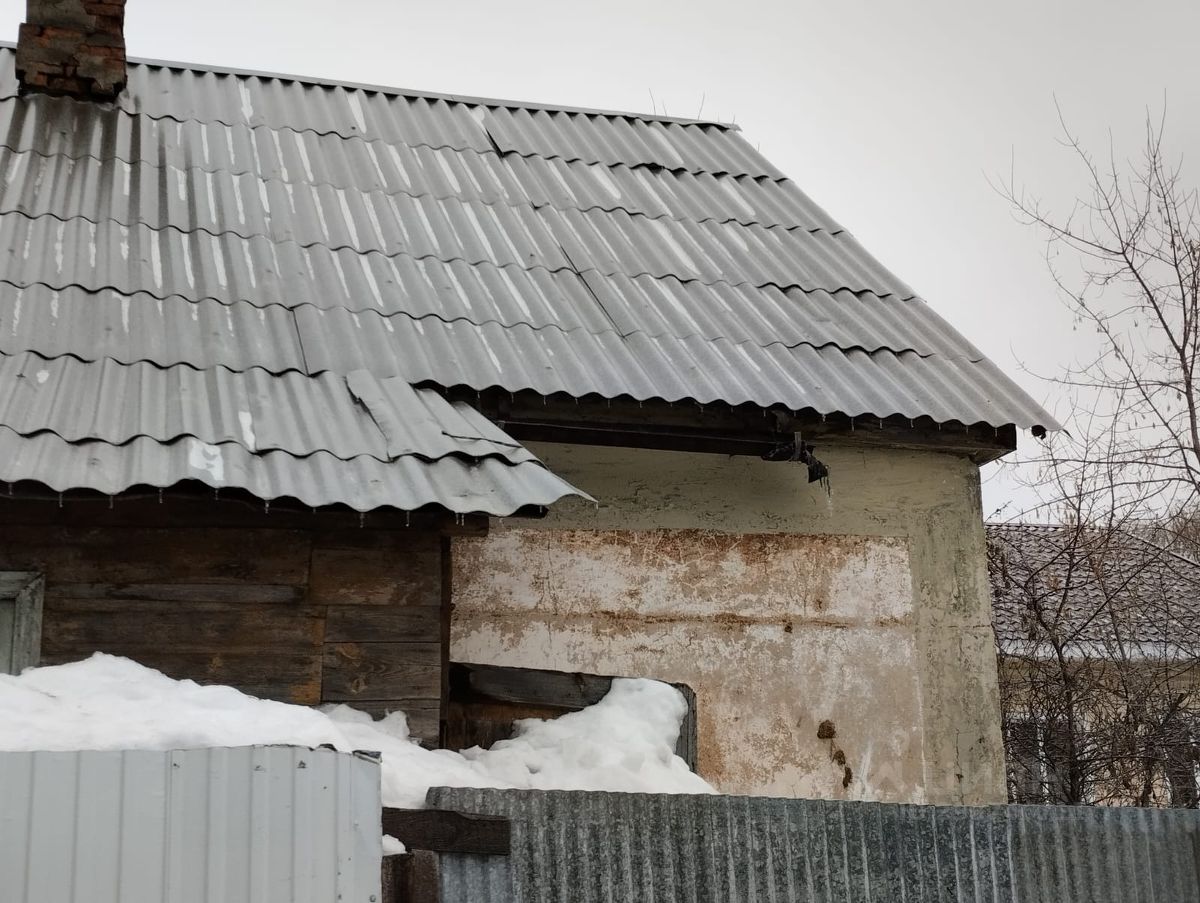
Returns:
(488, 485)
(302, 415)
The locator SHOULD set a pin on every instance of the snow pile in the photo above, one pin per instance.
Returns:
(624, 742)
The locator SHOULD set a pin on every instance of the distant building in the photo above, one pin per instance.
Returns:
(1098, 637)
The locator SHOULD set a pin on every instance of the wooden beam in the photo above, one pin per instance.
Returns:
(526, 686)
(381, 671)
(445, 614)
(30, 503)
(445, 831)
(723, 429)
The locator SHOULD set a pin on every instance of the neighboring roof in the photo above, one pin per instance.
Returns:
(734, 849)
(1095, 588)
(258, 221)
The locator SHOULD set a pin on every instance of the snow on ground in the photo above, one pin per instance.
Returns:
(622, 743)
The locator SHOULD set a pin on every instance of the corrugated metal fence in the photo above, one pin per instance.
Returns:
(628, 848)
(242, 825)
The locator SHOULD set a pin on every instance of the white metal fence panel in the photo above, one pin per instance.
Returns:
(264, 824)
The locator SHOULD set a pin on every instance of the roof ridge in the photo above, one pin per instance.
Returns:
(392, 91)
(1013, 526)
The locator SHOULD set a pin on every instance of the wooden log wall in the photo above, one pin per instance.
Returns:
(302, 615)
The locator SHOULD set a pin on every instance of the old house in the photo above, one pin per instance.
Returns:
(1098, 643)
(312, 388)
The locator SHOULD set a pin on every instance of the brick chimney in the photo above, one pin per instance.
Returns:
(74, 48)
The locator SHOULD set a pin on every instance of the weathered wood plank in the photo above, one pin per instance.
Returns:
(227, 629)
(419, 878)
(424, 716)
(526, 686)
(376, 623)
(294, 677)
(117, 596)
(391, 541)
(447, 613)
(381, 671)
(445, 831)
(28, 616)
(135, 555)
(374, 577)
(181, 507)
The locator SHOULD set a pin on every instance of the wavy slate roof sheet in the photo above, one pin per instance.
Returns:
(1096, 591)
(355, 440)
(218, 246)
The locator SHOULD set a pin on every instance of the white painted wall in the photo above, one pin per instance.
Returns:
(781, 606)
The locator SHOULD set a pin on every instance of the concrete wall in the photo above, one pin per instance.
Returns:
(792, 613)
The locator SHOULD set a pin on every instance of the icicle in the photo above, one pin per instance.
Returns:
(110, 503)
(267, 506)
(160, 496)
(60, 500)
(408, 518)
(362, 519)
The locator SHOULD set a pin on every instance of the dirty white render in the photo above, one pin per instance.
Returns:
(781, 606)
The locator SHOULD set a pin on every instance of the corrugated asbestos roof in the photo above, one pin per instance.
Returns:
(216, 247)
(147, 345)
(606, 847)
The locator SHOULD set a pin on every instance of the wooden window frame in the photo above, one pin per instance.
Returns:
(532, 692)
(21, 644)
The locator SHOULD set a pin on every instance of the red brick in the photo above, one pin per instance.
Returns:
(73, 47)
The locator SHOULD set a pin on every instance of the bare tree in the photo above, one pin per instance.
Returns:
(1098, 643)
(1136, 236)
(1098, 617)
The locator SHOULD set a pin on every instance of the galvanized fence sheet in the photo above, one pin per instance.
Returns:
(627, 848)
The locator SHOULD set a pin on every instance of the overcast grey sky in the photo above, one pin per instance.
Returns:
(891, 115)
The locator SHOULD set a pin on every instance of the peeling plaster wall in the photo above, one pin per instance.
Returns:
(782, 607)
